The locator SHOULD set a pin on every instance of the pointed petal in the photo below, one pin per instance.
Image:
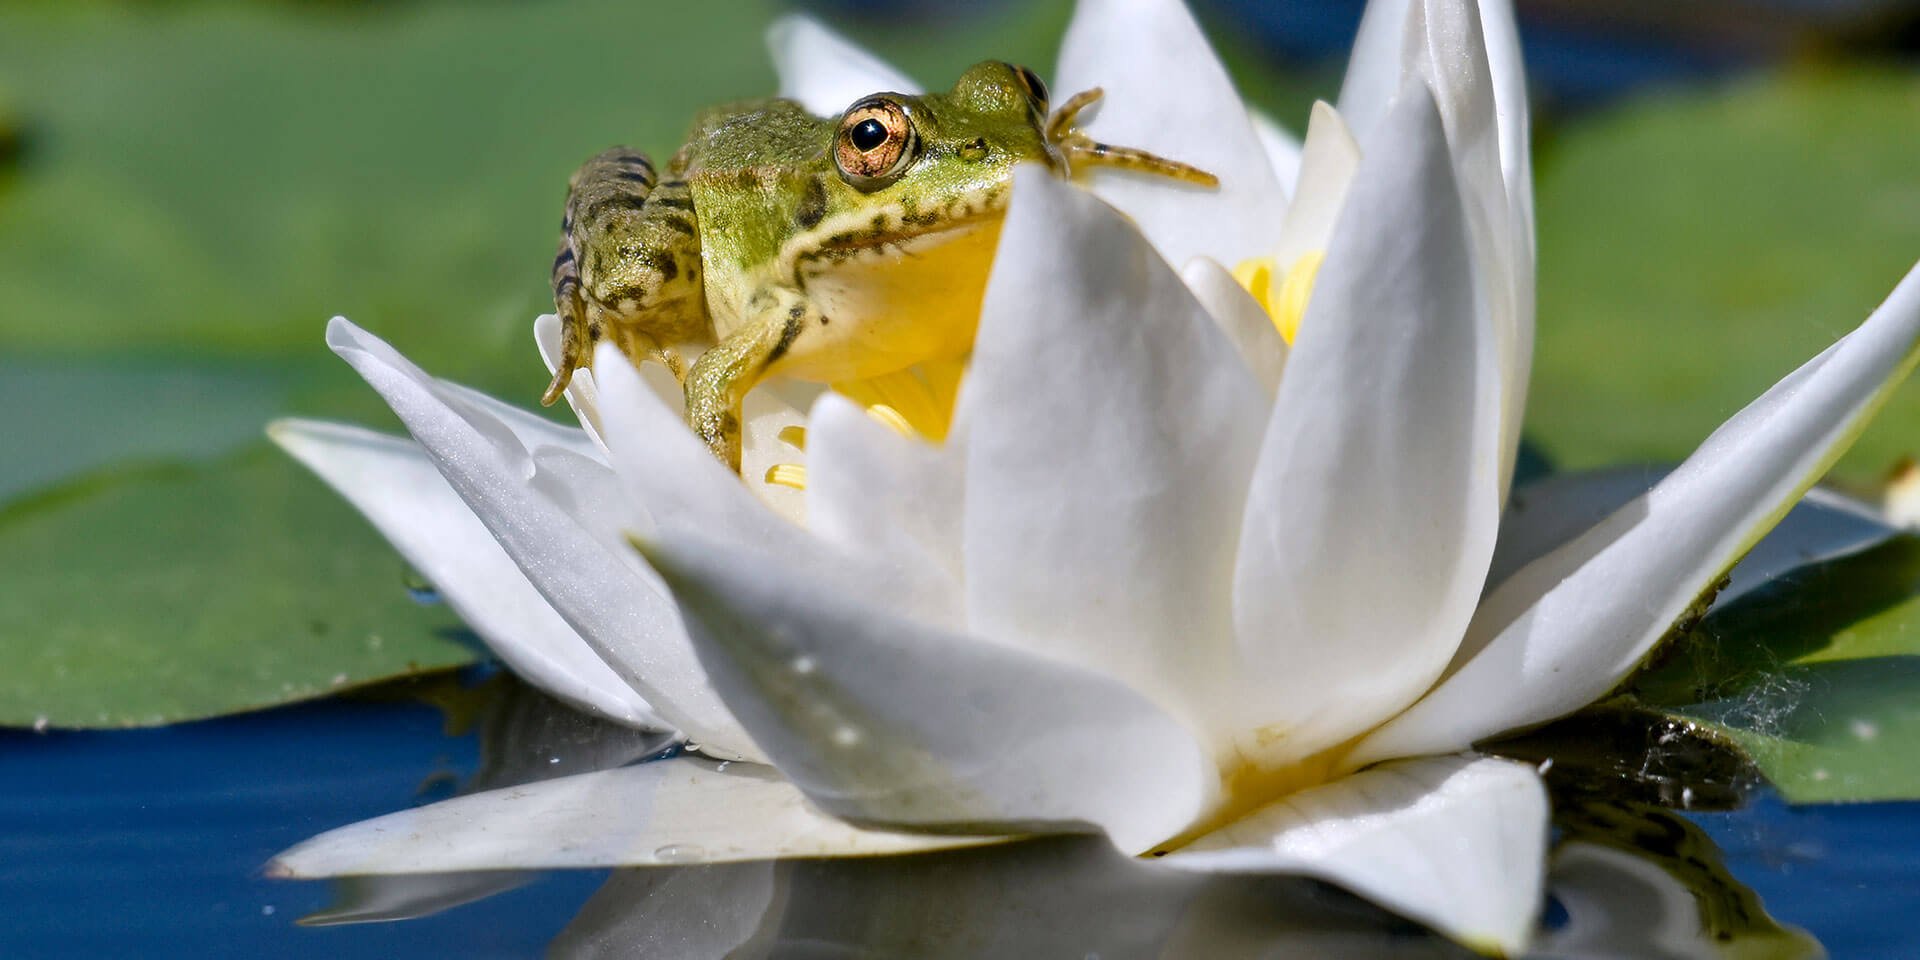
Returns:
(1112, 430)
(1457, 843)
(1327, 165)
(871, 489)
(825, 71)
(552, 511)
(1283, 151)
(685, 810)
(1167, 93)
(884, 721)
(1543, 516)
(1374, 505)
(1476, 74)
(394, 484)
(1569, 626)
(1241, 319)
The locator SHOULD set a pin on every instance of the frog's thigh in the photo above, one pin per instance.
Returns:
(722, 376)
(642, 266)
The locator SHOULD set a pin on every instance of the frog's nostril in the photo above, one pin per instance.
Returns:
(975, 149)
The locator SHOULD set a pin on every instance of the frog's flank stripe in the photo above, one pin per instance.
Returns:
(615, 201)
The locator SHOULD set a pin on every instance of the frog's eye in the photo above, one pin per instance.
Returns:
(875, 143)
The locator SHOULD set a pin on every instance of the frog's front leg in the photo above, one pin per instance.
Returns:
(721, 377)
(628, 267)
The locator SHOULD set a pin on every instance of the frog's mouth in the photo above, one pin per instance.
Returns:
(897, 228)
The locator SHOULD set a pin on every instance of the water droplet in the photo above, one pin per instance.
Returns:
(419, 590)
(1864, 729)
(1686, 798)
(40, 723)
(1820, 773)
(846, 737)
(680, 853)
(267, 910)
(722, 766)
(804, 665)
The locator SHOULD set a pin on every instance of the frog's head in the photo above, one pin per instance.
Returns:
(963, 144)
(959, 144)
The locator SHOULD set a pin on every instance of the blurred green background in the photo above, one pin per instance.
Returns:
(189, 190)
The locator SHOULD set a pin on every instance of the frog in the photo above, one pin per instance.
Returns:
(828, 249)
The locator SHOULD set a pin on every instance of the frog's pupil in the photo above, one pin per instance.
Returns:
(868, 134)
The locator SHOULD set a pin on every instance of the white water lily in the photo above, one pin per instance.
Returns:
(1221, 597)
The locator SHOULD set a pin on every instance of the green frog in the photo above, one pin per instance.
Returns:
(830, 249)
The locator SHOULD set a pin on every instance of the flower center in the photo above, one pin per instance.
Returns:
(916, 402)
(1283, 294)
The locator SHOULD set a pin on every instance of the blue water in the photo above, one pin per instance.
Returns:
(149, 843)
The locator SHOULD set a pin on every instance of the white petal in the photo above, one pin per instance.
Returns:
(1058, 897)
(1543, 516)
(1569, 626)
(872, 490)
(1457, 843)
(557, 533)
(707, 912)
(395, 485)
(825, 71)
(684, 810)
(1375, 504)
(410, 897)
(1482, 95)
(1111, 432)
(1240, 317)
(666, 467)
(1283, 150)
(766, 416)
(1167, 93)
(1327, 165)
(884, 721)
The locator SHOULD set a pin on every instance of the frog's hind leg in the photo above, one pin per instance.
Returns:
(627, 267)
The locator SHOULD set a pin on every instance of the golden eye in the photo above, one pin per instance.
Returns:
(875, 143)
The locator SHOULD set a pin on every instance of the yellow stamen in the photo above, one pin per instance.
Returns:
(917, 401)
(1283, 294)
(1256, 276)
(891, 417)
(788, 475)
(1291, 303)
(793, 435)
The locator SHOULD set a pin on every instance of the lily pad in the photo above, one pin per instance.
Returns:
(67, 417)
(174, 592)
(1814, 675)
(1697, 246)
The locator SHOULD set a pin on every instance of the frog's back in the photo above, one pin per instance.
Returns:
(761, 137)
(748, 165)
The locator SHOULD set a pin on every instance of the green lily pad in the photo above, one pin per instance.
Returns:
(1814, 676)
(67, 417)
(175, 592)
(1697, 246)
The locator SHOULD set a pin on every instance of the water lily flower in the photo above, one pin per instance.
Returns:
(1203, 561)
